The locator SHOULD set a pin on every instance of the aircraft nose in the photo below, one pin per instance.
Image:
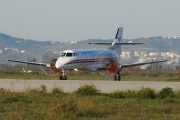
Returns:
(58, 64)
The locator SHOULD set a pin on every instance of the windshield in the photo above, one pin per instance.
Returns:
(68, 54)
(63, 55)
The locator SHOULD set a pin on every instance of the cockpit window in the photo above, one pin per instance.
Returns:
(69, 54)
(63, 55)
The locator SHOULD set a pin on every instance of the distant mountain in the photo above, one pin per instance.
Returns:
(24, 49)
(159, 44)
(7, 41)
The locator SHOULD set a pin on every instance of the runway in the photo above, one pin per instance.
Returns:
(70, 86)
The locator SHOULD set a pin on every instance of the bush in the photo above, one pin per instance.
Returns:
(166, 93)
(9, 99)
(57, 91)
(4, 91)
(69, 106)
(87, 90)
(41, 89)
(118, 94)
(130, 94)
(146, 93)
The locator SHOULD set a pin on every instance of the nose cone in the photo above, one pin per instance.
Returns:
(59, 63)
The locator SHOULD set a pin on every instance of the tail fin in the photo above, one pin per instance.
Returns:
(116, 45)
(117, 39)
(119, 34)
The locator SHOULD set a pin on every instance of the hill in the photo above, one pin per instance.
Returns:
(160, 47)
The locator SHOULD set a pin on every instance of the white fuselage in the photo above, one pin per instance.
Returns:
(86, 60)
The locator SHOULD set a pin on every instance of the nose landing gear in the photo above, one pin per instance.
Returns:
(63, 76)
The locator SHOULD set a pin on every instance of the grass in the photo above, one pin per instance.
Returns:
(124, 105)
(88, 76)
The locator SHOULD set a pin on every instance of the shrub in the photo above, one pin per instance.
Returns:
(41, 89)
(32, 91)
(166, 93)
(146, 93)
(57, 91)
(117, 94)
(87, 90)
(8, 99)
(178, 91)
(4, 91)
(70, 106)
(130, 94)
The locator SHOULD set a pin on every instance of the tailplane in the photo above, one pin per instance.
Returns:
(116, 44)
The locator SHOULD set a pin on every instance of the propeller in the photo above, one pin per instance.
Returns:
(102, 63)
(51, 58)
(111, 66)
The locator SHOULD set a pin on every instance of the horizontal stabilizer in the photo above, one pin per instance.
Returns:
(116, 43)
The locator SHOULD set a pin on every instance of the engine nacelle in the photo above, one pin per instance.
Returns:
(113, 66)
(107, 63)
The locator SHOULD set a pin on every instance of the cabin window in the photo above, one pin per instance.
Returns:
(74, 54)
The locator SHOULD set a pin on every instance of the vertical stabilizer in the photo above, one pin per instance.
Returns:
(116, 44)
(118, 37)
(119, 34)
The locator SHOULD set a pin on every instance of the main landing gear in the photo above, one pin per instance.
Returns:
(117, 77)
(63, 76)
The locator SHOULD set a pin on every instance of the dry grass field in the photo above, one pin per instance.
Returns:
(88, 103)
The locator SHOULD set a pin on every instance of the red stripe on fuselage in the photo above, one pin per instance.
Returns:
(91, 60)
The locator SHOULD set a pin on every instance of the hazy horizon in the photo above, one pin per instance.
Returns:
(65, 20)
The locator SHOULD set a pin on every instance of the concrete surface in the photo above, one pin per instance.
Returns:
(69, 86)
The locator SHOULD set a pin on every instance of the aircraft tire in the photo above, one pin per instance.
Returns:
(115, 78)
(65, 77)
(61, 78)
(119, 78)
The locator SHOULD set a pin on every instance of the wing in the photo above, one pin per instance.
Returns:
(144, 63)
(32, 63)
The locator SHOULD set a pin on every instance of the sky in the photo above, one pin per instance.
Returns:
(75, 20)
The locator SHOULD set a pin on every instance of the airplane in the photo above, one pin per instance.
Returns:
(92, 60)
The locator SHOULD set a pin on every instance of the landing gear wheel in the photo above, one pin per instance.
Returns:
(63, 78)
(117, 78)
